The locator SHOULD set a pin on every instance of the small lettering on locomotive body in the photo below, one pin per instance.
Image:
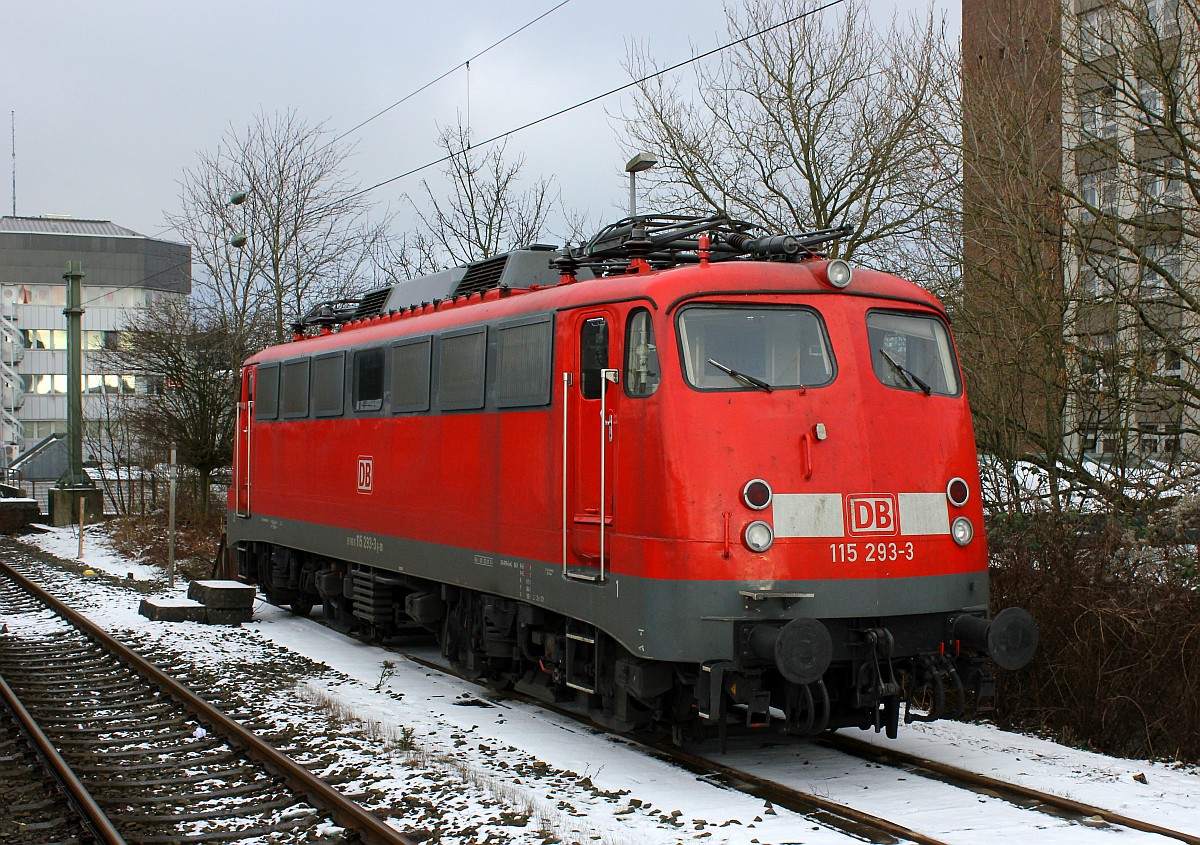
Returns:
(365, 542)
(484, 560)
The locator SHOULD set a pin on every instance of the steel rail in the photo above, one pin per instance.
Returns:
(824, 804)
(893, 757)
(804, 803)
(344, 811)
(76, 793)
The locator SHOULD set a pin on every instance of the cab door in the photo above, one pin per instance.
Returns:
(592, 402)
(241, 450)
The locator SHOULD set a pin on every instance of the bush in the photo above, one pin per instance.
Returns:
(145, 538)
(1117, 604)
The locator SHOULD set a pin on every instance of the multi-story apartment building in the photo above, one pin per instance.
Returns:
(123, 272)
(1128, 138)
(1082, 183)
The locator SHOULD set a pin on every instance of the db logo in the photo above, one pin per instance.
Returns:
(366, 473)
(872, 514)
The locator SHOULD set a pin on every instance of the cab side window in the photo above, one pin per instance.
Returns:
(642, 373)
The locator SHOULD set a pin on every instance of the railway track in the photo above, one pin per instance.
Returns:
(138, 756)
(854, 821)
(851, 817)
(1013, 792)
(821, 811)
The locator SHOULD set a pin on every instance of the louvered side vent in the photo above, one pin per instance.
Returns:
(371, 303)
(482, 276)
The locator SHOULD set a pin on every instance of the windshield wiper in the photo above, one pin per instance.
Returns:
(742, 377)
(910, 378)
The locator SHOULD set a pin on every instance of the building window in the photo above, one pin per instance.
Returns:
(1100, 275)
(1160, 267)
(1098, 191)
(41, 429)
(57, 339)
(1163, 16)
(1095, 31)
(44, 338)
(1098, 115)
(110, 384)
(1097, 360)
(1150, 99)
(1161, 184)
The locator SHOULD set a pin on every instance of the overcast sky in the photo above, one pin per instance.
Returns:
(114, 101)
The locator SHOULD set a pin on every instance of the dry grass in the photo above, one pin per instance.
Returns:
(145, 538)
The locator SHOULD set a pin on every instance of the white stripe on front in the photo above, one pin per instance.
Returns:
(809, 515)
(923, 513)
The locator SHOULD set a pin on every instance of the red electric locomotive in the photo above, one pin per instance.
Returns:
(685, 474)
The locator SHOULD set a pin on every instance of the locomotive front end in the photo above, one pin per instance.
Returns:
(845, 495)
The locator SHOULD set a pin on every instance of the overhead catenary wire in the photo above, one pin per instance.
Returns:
(543, 119)
(466, 63)
(560, 112)
(463, 64)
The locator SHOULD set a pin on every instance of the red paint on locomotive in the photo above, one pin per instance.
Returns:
(514, 504)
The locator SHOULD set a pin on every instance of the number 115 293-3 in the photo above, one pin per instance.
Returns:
(870, 552)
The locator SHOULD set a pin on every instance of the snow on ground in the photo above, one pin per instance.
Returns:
(467, 768)
(98, 552)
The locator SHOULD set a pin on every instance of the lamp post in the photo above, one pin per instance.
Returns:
(640, 162)
(239, 239)
(76, 493)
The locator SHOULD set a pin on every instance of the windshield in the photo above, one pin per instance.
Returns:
(732, 348)
(912, 352)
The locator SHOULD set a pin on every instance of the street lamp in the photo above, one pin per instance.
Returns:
(640, 162)
(238, 240)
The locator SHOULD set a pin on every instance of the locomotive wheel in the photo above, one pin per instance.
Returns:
(302, 607)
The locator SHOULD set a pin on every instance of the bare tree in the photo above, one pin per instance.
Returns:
(1012, 313)
(484, 213)
(1132, 182)
(109, 438)
(306, 228)
(811, 125)
(189, 364)
(1079, 323)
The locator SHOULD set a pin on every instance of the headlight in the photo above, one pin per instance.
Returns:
(758, 536)
(839, 273)
(756, 494)
(962, 530)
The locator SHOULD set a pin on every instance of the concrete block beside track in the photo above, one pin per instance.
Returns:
(229, 616)
(173, 610)
(223, 595)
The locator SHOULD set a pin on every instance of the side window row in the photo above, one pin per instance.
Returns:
(458, 365)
